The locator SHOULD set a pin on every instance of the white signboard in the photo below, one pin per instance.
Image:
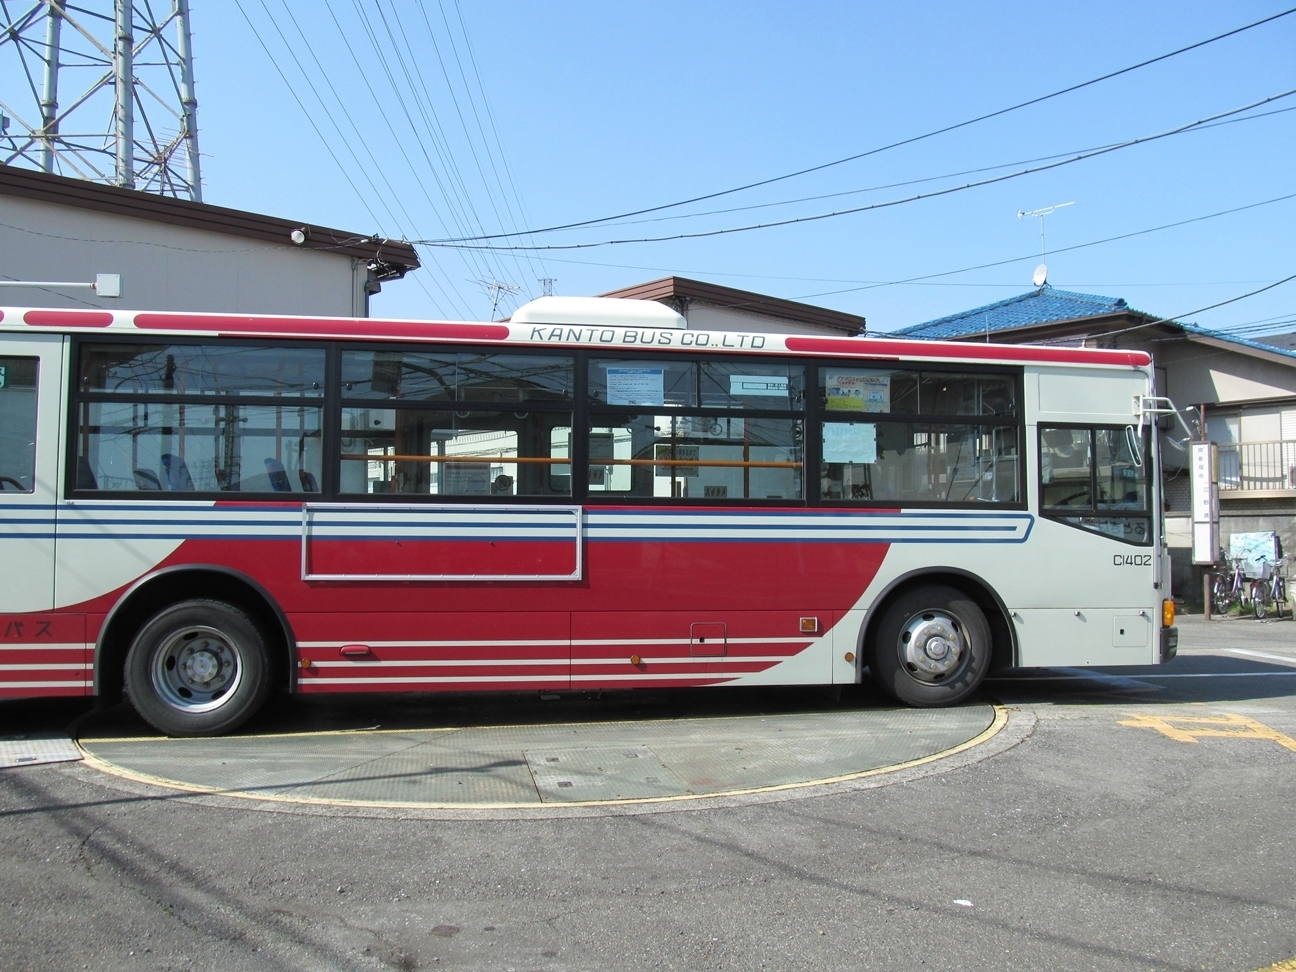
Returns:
(849, 442)
(1205, 503)
(635, 386)
(770, 386)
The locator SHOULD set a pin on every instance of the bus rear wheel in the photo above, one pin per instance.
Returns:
(198, 668)
(931, 647)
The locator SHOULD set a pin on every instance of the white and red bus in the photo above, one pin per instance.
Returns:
(199, 509)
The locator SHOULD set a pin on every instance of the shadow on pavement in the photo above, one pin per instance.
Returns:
(1189, 678)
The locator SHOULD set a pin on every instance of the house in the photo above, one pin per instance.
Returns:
(708, 306)
(1242, 390)
(175, 254)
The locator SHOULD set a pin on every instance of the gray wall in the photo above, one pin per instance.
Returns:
(167, 267)
(708, 317)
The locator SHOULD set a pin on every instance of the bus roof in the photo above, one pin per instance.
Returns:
(610, 337)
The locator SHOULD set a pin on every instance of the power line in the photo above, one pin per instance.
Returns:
(1202, 310)
(893, 145)
(882, 205)
(936, 178)
(1064, 249)
(871, 284)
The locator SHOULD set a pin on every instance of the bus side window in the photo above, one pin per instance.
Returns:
(18, 424)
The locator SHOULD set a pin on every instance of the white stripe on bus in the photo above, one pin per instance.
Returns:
(501, 662)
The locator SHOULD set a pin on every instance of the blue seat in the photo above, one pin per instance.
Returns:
(176, 471)
(278, 476)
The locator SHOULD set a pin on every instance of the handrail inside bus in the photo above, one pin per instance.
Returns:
(562, 461)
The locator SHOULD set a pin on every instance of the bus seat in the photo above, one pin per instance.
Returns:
(147, 479)
(85, 477)
(278, 476)
(309, 483)
(176, 471)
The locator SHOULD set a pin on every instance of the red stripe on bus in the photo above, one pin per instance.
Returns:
(68, 318)
(979, 352)
(322, 326)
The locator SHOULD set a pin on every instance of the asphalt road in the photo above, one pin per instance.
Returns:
(1091, 844)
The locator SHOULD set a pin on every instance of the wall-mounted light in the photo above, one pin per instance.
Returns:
(298, 236)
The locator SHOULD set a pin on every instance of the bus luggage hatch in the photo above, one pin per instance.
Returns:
(708, 638)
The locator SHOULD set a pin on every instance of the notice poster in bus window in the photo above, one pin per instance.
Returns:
(685, 452)
(707, 427)
(466, 478)
(857, 391)
(767, 386)
(635, 386)
(849, 442)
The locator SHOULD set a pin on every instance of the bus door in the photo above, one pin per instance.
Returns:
(40, 653)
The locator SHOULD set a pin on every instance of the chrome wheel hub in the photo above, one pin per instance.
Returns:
(931, 645)
(196, 669)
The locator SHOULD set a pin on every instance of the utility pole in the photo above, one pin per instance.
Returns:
(142, 81)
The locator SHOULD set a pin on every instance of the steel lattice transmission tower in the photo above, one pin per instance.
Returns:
(105, 95)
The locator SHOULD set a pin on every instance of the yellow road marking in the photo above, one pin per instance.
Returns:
(112, 769)
(1189, 729)
(1288, 966)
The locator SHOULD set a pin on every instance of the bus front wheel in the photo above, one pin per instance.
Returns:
(198, 668)
(931, 647)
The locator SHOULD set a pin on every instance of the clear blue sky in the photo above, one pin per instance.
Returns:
(602, 108)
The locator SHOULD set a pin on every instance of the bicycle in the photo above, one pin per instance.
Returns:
(1269, 590)
(1229, 589)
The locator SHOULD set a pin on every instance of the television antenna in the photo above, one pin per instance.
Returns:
(497, 290)
(1040, 277)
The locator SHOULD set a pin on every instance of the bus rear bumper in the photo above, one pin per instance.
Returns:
(1169, 644)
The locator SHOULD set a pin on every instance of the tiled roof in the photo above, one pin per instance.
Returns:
(1257, 345)
(1046, 306)
(1042, 306)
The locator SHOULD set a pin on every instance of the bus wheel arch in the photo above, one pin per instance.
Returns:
(174, 585)
(1003, 639)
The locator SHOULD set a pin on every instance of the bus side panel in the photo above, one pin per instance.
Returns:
(44, 654)
(663, 649)
(420, 652)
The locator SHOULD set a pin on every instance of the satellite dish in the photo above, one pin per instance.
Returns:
(1040, 277)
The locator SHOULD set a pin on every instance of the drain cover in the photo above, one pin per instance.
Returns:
(26, 751)
(611, 773)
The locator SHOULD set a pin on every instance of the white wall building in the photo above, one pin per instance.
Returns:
(174, 254)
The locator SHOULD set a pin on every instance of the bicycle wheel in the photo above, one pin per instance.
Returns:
(1221, 597)
(1259, 599)
(1279, 596)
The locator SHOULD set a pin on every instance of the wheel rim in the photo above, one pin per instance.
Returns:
(197, 669)
(932, 646)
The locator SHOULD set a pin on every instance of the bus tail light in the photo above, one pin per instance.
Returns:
(1167, 613)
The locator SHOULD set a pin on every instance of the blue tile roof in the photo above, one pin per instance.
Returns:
(1045, 306)
(1041, 306)
(1235, 339)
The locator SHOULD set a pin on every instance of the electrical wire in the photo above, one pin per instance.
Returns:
(374, 166)
(936, 178)
(893, 145)
(873, 206)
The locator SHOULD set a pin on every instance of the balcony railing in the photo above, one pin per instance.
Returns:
(1247, 467)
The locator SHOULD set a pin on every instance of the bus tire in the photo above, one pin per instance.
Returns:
(931, 647)
(198, 668)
